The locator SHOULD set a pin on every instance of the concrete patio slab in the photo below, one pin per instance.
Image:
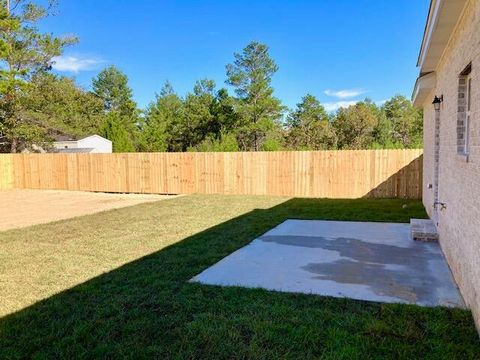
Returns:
(359, 260)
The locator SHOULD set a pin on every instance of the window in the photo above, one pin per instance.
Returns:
(464, 111)
(467, 122)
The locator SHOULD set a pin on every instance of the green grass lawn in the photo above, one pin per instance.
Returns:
(115, 285)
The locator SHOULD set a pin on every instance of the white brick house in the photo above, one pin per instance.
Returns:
(449, 64)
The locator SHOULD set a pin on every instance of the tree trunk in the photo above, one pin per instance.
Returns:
(13, 146)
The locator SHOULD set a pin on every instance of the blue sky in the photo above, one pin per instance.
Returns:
(339, 51)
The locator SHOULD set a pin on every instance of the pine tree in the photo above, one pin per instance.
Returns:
(309, 126)
(114, 130)
(24, 51)
(163, 124)
(251, 75)
(111, 85)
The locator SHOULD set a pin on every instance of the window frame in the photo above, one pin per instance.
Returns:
(468, 113)
(464, 112)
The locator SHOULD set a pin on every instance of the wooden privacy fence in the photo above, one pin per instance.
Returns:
(330, 174)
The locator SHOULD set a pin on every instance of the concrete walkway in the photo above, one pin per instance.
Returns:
(358, 260)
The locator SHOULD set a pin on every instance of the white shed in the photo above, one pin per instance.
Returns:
(88, 144)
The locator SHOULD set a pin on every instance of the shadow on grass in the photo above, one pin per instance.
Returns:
(147, 308)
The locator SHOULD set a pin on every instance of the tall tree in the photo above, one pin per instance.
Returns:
(111, 85)
(59, 106)
(406, 121)
(309, 126)
(383, 133)
(199, 121)
(24, 51)
(114, 130)
(226, 118)
(163, 124)
(355, 125)
(218, 128)
(251, 75)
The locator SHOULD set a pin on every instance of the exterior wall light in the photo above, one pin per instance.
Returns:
(437, 101)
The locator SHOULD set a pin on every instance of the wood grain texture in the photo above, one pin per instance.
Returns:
(327, 174)
(6, 172)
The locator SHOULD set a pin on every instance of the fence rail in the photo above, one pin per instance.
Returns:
(330, 174)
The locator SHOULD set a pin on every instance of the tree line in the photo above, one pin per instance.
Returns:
(37, 105)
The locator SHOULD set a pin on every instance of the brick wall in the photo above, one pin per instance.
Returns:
(459, 176)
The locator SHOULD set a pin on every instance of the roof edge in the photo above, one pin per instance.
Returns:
(442, 20)
(431, 18)
(423, 86)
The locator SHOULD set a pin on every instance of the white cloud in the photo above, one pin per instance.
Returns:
(333, 106)
(344, 94)
(75, 64)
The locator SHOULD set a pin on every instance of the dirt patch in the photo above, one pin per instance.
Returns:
(20, 208)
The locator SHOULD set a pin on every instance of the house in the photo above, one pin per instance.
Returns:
(88, 144)
(448, 90)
